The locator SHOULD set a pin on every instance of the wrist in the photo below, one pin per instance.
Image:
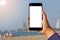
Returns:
(49, 32)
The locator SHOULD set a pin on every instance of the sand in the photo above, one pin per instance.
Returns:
(38, 37)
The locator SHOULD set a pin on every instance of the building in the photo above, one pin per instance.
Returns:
(23, 28)
(58, 24)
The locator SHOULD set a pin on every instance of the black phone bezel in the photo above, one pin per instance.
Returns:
(35, 4)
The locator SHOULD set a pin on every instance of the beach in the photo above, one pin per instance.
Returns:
(29, 37)
(36, 37)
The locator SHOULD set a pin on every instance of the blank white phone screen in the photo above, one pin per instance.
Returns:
(35, 16)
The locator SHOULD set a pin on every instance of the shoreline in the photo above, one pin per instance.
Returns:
(29, 37)
(37, 37)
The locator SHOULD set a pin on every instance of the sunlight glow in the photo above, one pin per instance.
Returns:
(2, 2)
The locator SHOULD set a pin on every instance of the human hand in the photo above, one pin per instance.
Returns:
(47, 30)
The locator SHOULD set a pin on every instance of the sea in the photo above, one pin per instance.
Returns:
(19, 33)
(24, 33)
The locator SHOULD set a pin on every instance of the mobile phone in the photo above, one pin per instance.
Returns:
(35, 12)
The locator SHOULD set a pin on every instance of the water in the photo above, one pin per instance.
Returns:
(25, 33)
(14, 33)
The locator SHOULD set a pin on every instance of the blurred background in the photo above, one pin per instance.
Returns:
(14, 13)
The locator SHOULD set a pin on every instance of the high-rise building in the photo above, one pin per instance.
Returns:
(58, 24)
(23, 27)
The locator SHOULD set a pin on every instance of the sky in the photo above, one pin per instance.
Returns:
(14, 12)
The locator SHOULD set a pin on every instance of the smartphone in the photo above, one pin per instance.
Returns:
(35, 12)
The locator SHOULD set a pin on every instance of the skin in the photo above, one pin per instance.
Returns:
(47, 30)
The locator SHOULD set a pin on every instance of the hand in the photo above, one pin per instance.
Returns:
(47, 30)
(45, 23)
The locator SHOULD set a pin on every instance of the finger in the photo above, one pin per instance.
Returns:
(44, 16)
(28, 22)
(28, 18)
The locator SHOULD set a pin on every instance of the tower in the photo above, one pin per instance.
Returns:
(58, 24)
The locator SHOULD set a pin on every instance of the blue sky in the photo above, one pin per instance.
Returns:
(15, 12)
